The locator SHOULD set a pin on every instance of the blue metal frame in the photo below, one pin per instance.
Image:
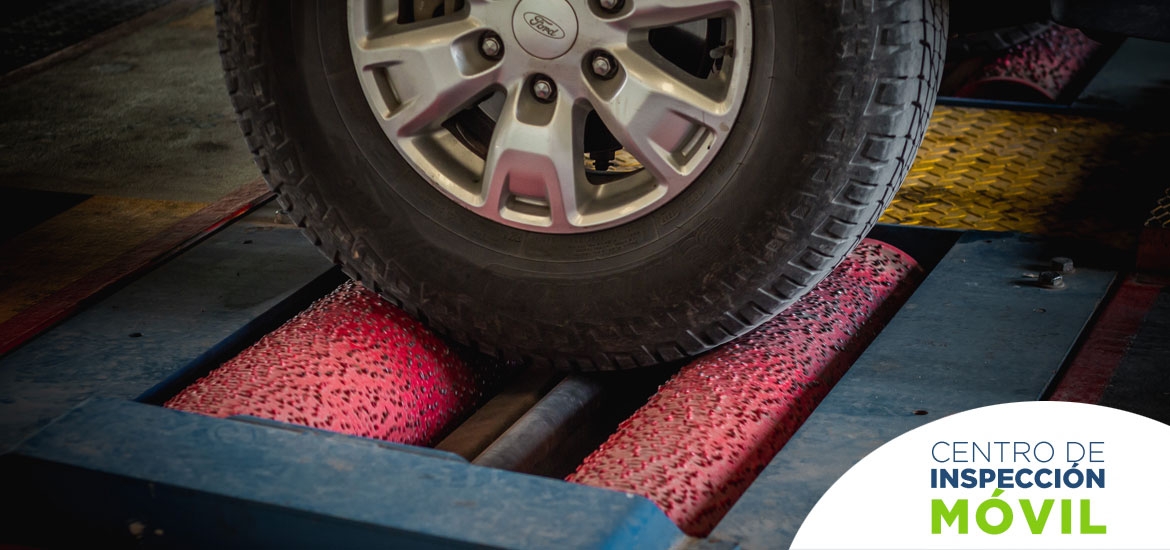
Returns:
(191, 480)
(179, 311)
(976, 332)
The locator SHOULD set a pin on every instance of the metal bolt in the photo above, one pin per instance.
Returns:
(282, 218)
(490, 46)
(610, 5)
(1060, 264)
(603, 66)
(1051, 279)
(543, 89)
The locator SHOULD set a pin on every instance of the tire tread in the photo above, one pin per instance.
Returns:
(908, 37)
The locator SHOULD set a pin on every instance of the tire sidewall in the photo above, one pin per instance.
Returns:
(737, 226)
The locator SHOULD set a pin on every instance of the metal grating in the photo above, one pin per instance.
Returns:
(1038, 173)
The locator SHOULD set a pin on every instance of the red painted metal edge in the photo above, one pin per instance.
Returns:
(1154, 250)
(704, 437)
(61, 304)
(350, 363)
(1108, 341)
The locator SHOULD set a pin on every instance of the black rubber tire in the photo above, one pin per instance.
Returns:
(838, 99)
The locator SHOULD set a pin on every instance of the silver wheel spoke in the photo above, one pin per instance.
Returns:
(656, 112)
(662, 13)
(534, 160)
(458, 92)
(442, 82)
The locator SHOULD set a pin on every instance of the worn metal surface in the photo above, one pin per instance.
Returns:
(703, 438)
(53, 255)
(350, 363)
(23, 209)
(1107, 344)
(243, 337)
(1135, 79)
(536, 434)
(61, 287)
(1141, 383)
(139, 335)
(491, 420)
(1036, 173)
(125, 473)
(976, 332)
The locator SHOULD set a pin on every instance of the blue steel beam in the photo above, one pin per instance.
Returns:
(121, 472)
(977, 332)
(175, 313)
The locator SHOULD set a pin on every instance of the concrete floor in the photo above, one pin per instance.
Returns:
(104, 151)
(144, 117)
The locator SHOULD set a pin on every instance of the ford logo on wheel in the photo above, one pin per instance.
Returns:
(544, 25)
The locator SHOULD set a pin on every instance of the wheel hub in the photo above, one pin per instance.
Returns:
(545, 28)
(555, 116)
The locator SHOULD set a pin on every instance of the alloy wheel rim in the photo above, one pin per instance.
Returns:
(461, 88)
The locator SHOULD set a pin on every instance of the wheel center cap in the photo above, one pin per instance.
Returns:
(545, 28)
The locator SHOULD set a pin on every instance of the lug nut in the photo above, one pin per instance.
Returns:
(490, 45)
(610, 5)
(1051, 279)
(1060, 264)
(543, 89)
(603, 65)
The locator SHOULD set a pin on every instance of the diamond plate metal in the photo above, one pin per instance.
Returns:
(1039, 173)
(1160, 215)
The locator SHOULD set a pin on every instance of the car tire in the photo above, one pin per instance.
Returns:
(834, 107)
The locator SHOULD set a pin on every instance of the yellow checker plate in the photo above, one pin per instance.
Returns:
(1031, 172)
(1160, 216)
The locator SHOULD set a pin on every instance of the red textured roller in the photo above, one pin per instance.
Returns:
(351, 363)
(1037, 70)
(709, 431)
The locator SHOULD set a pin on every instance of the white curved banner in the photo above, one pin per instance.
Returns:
(1038, 474)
